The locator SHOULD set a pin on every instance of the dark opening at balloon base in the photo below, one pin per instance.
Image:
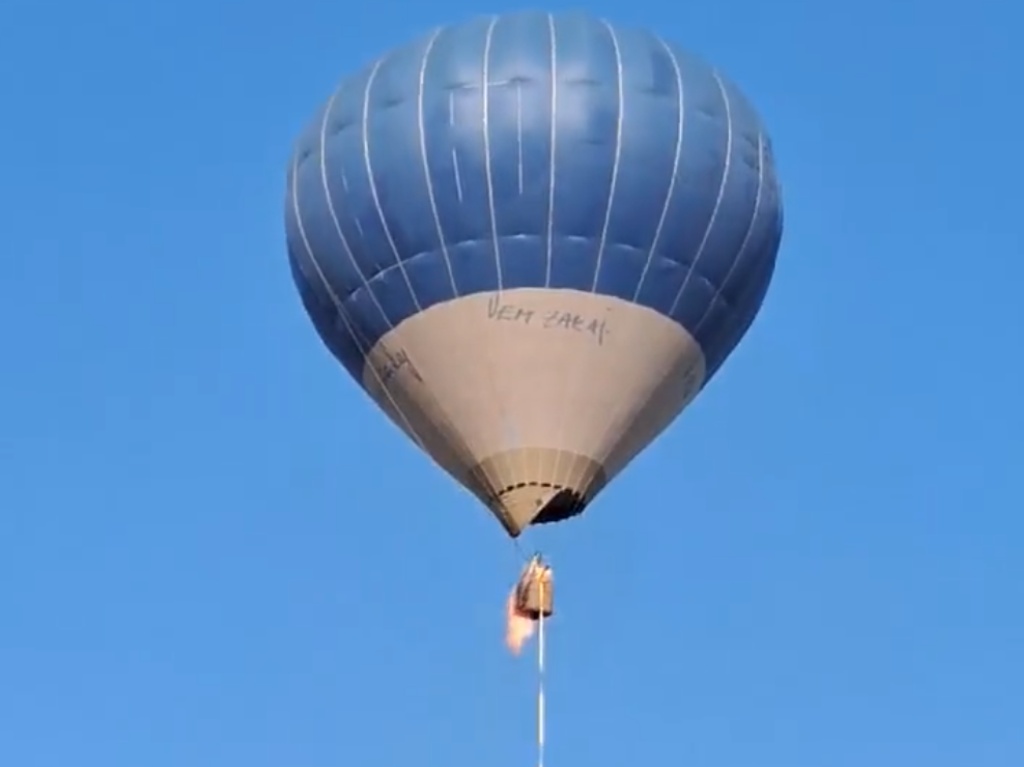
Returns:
(562, 505)
(524, 504)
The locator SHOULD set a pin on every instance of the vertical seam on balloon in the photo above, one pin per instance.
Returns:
(485, 98)
(549, 234)
(456, 448)
(755, 210)
(721, 193)
(579, 367)
(488, 172)
(426, 164)
(728, 329)
(731, 332)
(551, 164)
(510, 426)
(455, 154)
(519, 136)
(620, 117)
(613, 183)
(339, 305)
(373, 184)
(619, 424)
(329, 199)
(680, 120)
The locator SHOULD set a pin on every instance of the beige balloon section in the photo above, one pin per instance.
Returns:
(526, 395)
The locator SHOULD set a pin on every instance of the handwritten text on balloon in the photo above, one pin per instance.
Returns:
(391, 364)
(548, 319)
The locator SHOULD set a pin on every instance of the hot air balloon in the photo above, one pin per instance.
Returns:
(533, 239)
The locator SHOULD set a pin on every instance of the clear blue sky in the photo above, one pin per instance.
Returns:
(214, 552)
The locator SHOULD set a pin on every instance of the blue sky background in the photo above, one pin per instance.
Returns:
(214, 552)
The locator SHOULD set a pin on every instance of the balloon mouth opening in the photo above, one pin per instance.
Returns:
(520, 506)
(562, 505)
(536, 486)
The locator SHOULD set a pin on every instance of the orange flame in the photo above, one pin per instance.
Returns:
(518, 627)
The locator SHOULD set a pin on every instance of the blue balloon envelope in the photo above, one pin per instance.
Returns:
(533, 239)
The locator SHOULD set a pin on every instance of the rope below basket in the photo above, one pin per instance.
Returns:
(540, 681)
